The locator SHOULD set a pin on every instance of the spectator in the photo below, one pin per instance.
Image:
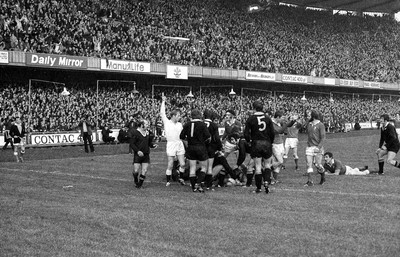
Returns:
(123, 135)
(105, 132)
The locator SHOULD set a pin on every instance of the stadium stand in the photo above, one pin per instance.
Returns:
(117, 105)
(283, 39)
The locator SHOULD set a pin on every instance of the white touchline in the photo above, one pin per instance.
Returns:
(161, 182)
(56, 172)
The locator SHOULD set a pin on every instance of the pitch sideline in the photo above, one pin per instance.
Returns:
(159, 182)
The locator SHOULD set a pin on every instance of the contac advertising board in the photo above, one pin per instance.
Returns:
(56, 61)
(294, 78)
(56, 139)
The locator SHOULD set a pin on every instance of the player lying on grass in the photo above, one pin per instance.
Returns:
(335, 167)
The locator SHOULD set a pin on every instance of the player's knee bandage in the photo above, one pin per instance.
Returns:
(168, 172)
(310, 170)
(15, 153)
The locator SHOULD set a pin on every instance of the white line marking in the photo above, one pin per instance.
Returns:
(337, 193)
(160, 182)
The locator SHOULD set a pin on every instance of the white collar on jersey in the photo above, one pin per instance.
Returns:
(315, 122)
(143, 132)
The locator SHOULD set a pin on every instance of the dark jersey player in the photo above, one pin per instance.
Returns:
(197, 136)
(388, 145)
(214, 146)
(259, 130)
(141, 141)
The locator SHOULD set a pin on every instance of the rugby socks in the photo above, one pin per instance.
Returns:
(193, 182)
(267, 175)
(221, 179)
(201, 177)
(381, 163)
(208, 180)
(249, 179)
(397, 165)
(176, 165)
(258, 179)
(141, 180)
(136, 177)
(322, 178)
(296, 162)
(181, 172)
(168, 175)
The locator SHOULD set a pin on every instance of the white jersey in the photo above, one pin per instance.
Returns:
(172, 130)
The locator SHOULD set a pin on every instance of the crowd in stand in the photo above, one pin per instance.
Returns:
(281, 39)
(47, 110)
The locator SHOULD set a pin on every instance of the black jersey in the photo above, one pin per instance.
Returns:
(389, 138)
(259, 126)
(215, 139)
(195, 132)
(142, 142)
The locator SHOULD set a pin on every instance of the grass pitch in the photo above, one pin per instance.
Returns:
(64, 202)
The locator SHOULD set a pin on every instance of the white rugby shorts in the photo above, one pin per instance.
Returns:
(310, 151)
(278, 151)
(175, 148)
(355, 171)
(291, 142)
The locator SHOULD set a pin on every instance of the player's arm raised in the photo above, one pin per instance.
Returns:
(162, 109)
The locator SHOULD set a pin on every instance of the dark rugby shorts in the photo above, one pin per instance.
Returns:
(261, 149)
(197, 152)
(394, 149)
(144, 159)
(211, 149)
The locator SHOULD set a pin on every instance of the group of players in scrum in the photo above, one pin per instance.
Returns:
(200, 151)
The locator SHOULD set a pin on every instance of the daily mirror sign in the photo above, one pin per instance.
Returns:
(56, 61)
(115, 65)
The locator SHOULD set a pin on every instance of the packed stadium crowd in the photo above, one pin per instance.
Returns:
(281, 39)
(45, 109)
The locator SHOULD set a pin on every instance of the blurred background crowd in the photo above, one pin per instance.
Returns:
(203, 33)
(283, 39)
(117, 105)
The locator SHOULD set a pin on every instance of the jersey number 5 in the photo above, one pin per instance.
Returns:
(262, 125)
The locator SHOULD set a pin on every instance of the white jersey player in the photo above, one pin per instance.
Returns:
(175, 147)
